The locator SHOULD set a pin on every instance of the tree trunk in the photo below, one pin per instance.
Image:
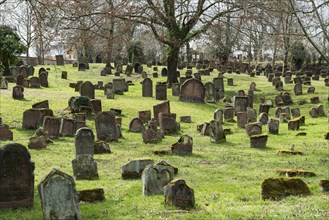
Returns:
(6, 69)
(172, 62)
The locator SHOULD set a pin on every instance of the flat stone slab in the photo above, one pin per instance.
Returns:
(91, 195)
(291, 152)
(294, 172)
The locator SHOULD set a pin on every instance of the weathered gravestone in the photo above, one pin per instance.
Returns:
(33, 118)
(164, 72)
(218, 115)
(91, 195)
(84, 167)
(109, 91)
(3, 84)
(43, 79)
(192, 90)
(34, 82)
(30, 71)
(279, 188)
(167, 123)
(82, 67)
(59, 199)
(23, 71)
(263, 118)
(155, 177)
(147, 87)
(133, 169)
(216, 132)
(219, 87)
(253, 128)
(16, 177)
(84, 141)
(240, 104)
(87, 89)
(178, 194)
(229, 114)
(258, 141)
(252, 86)
(242, 119)
(18, 92)
(145, 115)
(136, 125)
(183, 146)
(5, 133)
(230, 82)
(67, 128)
(161, 91)
(59, 60)
(311, 90)
(294, 124)
(175, 89)
(64, 75)
(52, 125)
(120, 86)
(162, 107)
(298, 89)
(19, 80)
(42, 104)
(273, 126)
(150, 133)
(251, 115)
(106, 128)
(209, 92)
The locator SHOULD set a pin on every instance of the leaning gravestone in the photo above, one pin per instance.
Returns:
(16, 177)
(210, 92)
(218, 115)
(67, 127)
(84, 167)
(253, 128)
(106, 128)
(87, 89)
(134, 169)
(59, 199)
(84, 141)
(33, 118)
(162, 107)
(183, 146)
(178, 194)
(145, 115)
(155, 177)
(147, 87)
(216, 132)
(136, 125)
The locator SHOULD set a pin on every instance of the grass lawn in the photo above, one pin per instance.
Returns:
(226, 177)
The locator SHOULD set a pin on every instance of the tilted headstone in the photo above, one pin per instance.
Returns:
(216, 132)
(106, 129)
(209, 92)
(33, 118)
(59, 199)
(84, 141)
(162, 107)
(155, 177)
(133, 169)
(167, 123)
(263, 118)
(87, 89)
(16, 176)
(84, 167)
(147, 87)
(51, 125)
(218, 115)
(145, 116)
(178, 194)
(183, 146)
(253, 128)
(42, 104)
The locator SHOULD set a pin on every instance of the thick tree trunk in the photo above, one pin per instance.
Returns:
(6, 68)
(172, 62)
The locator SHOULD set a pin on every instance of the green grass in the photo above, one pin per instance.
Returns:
(226, 177)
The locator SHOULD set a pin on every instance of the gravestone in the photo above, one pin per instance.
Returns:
(78, 85)
(129, 70)
(263, 118)
(96, 105)
(64, 75)
(264, 108)
(218, 115)
(241, 93)
(242, 119)
(229, 113)
(87, 89)
(315, 100)
(136, 125)
(42, 104)
(161, 92)
(251, 114)
(145, 116)
(3, 84)
(164, 72)
(279, 85)
(23, 71)
(286, 98)
(5, 133)
(240, 103)
(155, 75)
(209, 92)
(16, 176)
(34, 82)
(258, 141)
(82, 67)
(59, 60)
(178, 194)
(192, 90)
(185, 119)
(183, 146)
(216, 132)
(254, 128)
(150, 133)
(109, 91)
(19, 80)
(167, 123)
(294, 124)
(219, 83)
(298, 89)
(252, 86)
(273, 126)
(84, 141)
(155, 177)
(59, 199)
(67, 128)
(30, 71)
(41, 70)
(230, 82)
(175, 89)
(120, 86)
(295, 112)
(33, 118)
(43, 79)
(147, 87)
(133, 169)
(51, 125)
(84, 167)
(311, 90)
(26, 83)
(106, 129)
(162, 107)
